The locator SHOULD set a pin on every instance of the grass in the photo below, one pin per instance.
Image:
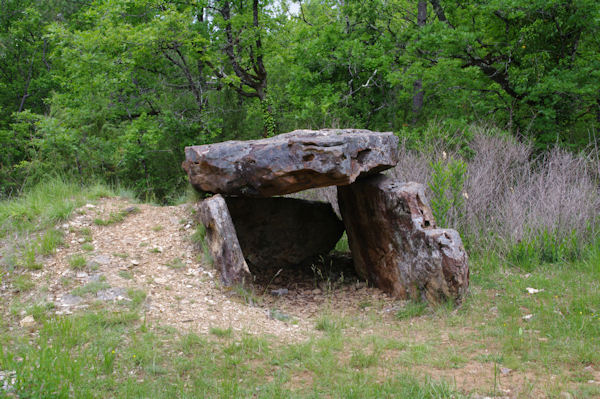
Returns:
(117, 217)
(125, 274)
(90, 288)
(112, 350)
(77, 262)
(412, 309)
(46, 205)
(221, 332)
(87, 247)
(176, 263)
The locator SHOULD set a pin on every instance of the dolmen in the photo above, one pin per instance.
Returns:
(391, 231)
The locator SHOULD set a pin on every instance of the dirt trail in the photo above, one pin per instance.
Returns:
(151, 250)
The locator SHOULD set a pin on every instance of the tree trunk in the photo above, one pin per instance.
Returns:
(418, 85)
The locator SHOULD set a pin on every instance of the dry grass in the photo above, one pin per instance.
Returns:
(514, 195)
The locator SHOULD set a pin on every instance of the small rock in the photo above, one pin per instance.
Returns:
(278, 315)
(279, 292)
(81, 240)
(589, 368)
(527, 317)
(135, 262)
(7, 380)
(505, 370)
(27, 322)
(95, 277)
(566, 395)
(533, 290)
(102, 259)
(65, 226)
(81, 275)
(90, 206)
(112, 294)
(70, 300)
(316, 291)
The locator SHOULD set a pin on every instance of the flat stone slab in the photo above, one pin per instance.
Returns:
(396, 245)
(289, 162)
(283, 232)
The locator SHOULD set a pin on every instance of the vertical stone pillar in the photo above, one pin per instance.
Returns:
(395, 244)
(222, 240)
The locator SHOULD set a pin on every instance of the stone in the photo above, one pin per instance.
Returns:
(70, 300)
(281, 232)
(27, 322)
(222, 242)
(396, 245)
(102, 259)
(289, 162)
(279, 292)
(112, 294)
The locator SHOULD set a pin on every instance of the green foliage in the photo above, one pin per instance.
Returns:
(412, 309)
(446, 185)
(77, 262)
(545, 247)
(90, 288)
(115, 90)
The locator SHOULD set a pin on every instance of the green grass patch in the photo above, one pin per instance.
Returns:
(22, 282)
(50, 240)
(77, 262)
(87, 247)
(176, 263)
(117, 217)
(45, 205)
(342, 245)
(90, 288)
(221, 332)
(127, 275)
(411, 309)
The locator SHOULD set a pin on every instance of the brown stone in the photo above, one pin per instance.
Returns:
(395, 244)
(222, 241)
(281, 232)
(289, 162)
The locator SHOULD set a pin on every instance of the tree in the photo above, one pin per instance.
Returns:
(537, 57)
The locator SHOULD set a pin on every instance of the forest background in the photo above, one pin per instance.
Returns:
(116, 89)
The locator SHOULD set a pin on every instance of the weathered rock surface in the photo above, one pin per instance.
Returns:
(279, 232)
(395, 244)
(289, 162)
(222, 241)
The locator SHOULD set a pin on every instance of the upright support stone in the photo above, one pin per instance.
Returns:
(222, 240)
(395, 244)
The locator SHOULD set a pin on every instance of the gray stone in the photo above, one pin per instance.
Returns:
(222, 241)
(101, 259)
(70, 300)
(289, 162)
(281, 232)
(111, 294)
(395, 244)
